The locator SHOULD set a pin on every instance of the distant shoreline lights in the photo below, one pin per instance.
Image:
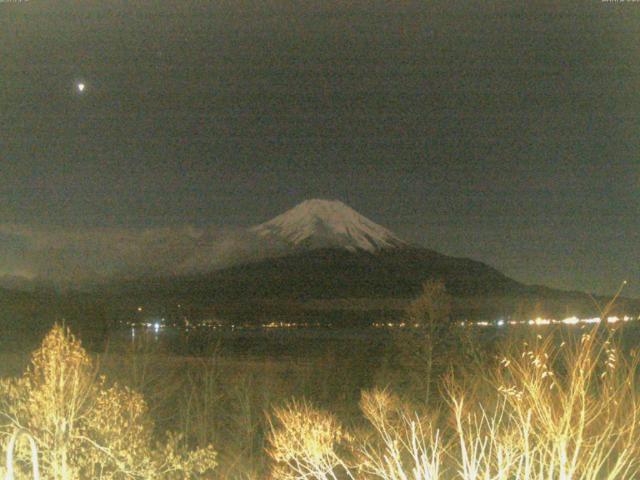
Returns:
(539, 321)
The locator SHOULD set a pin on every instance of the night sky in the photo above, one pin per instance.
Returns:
(505, 131)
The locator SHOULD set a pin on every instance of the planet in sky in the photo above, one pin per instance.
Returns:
(80, 86)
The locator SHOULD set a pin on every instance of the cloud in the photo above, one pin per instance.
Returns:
(78, 255)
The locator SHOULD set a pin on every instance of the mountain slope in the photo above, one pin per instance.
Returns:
(339, 273)
(327, 224)
(380, 282)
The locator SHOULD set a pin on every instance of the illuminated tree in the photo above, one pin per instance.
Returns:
(85, 427)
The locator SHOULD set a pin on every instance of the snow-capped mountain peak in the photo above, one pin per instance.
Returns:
(327, 224)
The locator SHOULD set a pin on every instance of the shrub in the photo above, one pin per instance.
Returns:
(306, 442)
(403, 444)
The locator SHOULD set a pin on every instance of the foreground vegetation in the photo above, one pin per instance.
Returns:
(551, 407)
(85, 427)
(547, 412)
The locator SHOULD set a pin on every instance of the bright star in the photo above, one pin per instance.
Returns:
(81, 87)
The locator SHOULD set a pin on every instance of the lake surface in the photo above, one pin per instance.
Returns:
(259, 342)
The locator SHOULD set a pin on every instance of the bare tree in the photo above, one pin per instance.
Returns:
(430, 346)
(431, 308)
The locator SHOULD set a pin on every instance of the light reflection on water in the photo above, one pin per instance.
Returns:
(272, 342)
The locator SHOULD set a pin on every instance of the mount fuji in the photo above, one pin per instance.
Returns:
(322, 256)
(325, 250)
(319, 223)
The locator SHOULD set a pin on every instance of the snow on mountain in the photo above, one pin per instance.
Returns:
(327, 224)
